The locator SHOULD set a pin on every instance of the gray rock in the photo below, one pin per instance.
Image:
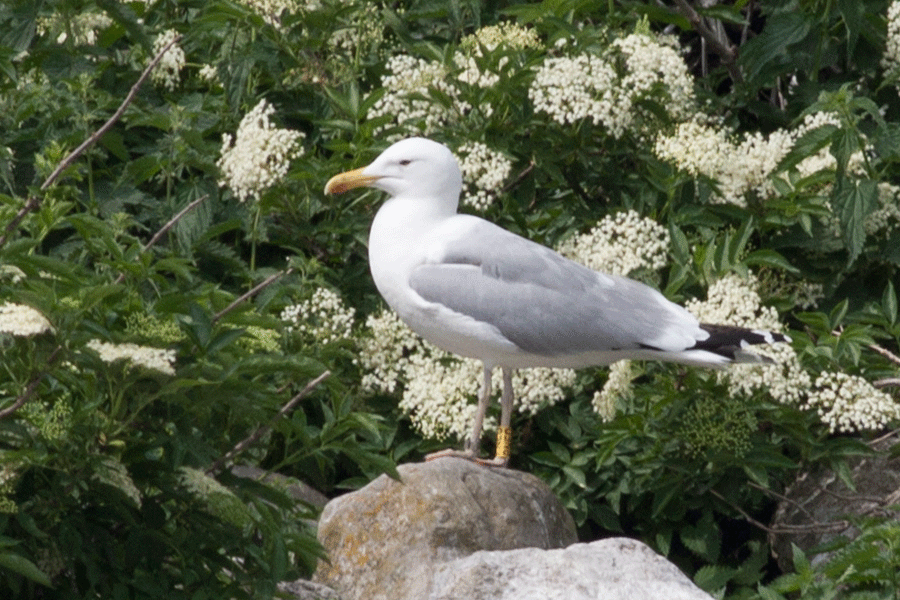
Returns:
(816, 505)
(611, 569)
(307, 590)
(385, 540)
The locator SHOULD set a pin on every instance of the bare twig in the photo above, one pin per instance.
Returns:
(162, 231)
(255, 290)
(253, 437)
(885, 353)
(518, 178)
(34, 202)
(806, 528)
(887, 382)
(29, 390)
(725, 51)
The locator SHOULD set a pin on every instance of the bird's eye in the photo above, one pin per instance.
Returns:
(405, 162)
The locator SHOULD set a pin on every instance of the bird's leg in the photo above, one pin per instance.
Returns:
(474, 443)
(504, 431)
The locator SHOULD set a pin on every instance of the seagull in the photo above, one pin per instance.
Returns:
(477, 290)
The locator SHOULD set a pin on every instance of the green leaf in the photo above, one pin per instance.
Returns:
(889, 303)
(20, 565)
(807, 145)
(853, 200)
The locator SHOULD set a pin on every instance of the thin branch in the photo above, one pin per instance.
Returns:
(29, 390)
(885, 353)
(33, 203)
(887, 382)
(808, 528)
(162, 231)
(725, 51)
(253, 437)
(518, 178)
(266, 282)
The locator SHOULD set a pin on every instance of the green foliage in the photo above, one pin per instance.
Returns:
(863, 568)
(104, 482)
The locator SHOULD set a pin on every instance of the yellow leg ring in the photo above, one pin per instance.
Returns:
(504, 441)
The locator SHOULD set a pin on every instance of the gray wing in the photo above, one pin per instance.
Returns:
(545, 303)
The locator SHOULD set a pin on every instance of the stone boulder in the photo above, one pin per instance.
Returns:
(816, 505)
(611, 569)
(452, 529)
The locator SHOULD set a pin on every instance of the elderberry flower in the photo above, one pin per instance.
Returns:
(324, 317)
(271, 11)
(22, 321)
(146, 357)
(483, 173)
(439, 389)
(83, 27)
(848, 403)
(507, 36)
(168, 69)
(570, 90)
(747, 166)
(617, 386)
(407, 86)
(620, 244)
(890, 60)
(885, 218)
(610, 88)
(259, 155)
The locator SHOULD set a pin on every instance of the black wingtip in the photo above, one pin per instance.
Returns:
(731, 342)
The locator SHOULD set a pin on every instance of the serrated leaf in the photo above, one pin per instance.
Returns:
(852, 201)
(713, 577)
(807, 145)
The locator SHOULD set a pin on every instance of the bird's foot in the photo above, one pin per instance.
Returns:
(468, 455)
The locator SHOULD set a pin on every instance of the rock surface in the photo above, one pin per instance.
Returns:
(451, 529)
(817, 504)
(611, 569)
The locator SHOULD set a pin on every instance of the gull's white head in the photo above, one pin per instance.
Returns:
(414, 168)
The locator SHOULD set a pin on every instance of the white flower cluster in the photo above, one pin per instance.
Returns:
(620, 244)
(746, 166)
(849, 403)
(618, 385)
(890, 60)
(168, 70)
(588, 86)
(260, 154)
(483, 173)
(146, 357)
(440, 388)
(505, 35)
(406, 100)
(570, 90)
(365, 28)
(409, 81)
(22, 321)
(885, 218)
(271, 11)
(323, 317)
(82, 26)
(210, 74)
(653, 61)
